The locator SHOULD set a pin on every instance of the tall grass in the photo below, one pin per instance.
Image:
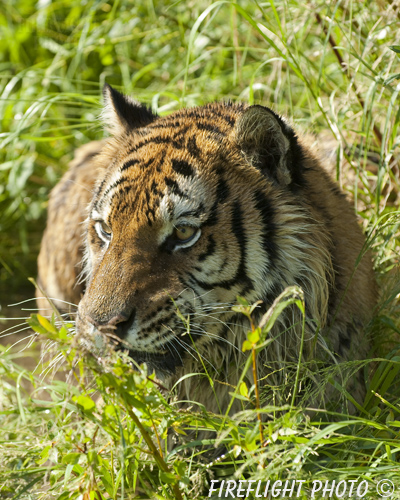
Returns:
(333, 68)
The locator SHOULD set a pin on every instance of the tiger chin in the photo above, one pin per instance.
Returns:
(175, 216)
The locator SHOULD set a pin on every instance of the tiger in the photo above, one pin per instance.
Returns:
(171, 218)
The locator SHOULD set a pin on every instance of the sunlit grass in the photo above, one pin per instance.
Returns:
(102, 428)
(333, 68)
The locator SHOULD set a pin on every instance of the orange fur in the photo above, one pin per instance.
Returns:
(264, 214)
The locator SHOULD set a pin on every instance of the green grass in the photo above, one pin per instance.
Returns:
(101, 430)
(334, 69)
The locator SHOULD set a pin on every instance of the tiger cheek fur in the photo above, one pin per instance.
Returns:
(154, 275)
(191, 210)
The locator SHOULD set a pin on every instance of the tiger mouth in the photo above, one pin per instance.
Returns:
(161, 348)
(163, 364)
(169, 356)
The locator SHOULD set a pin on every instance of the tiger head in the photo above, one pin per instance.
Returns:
(193, 210)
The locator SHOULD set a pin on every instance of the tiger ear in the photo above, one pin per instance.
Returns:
(269, 144)
(121, 114)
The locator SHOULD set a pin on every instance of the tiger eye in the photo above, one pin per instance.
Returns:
(184, 233)
(103, 230)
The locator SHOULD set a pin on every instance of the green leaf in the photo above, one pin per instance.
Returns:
(93, 457)
(46, 324)
(63, 333)
(243, 390)
(87, 404)
(66, 496)
(109, 411)
(136, 403)
(168, 477)
(180, 467)
(71, 458)
(33, 322)
(44, 455)
(254, 336)
(78, 469)
(255, 305)
(242, 301)
(247, 346)
(106, 479)
(55, 475)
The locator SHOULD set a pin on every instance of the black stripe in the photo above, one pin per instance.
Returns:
(223, 334)
(154, 187)
(144, 165)
(221, 194)
(161, 321)
(240, 275)
(193, 213)
(120, 207)
(151, 216)
(222, 190)
(207, 112)
(155, 140)
(207, 286)
(185, 284)
(267, 216)
(115, 184)
(123, 208)
(226, 284)
(182, 167)
(129, 164)
(179, 139)
(167, 122)
(210, 127)
(239, 232)
(174, 188)
(152, 314)
(100, 187)
(121, 191)
(192, 147)
(210, 249)
(227, 118)
(146, 142)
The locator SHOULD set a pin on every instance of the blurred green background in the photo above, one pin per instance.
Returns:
(332, 67)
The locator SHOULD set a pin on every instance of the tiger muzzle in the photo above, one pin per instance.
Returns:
(114, 323)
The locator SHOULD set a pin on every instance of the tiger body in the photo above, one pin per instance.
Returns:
(186, 212)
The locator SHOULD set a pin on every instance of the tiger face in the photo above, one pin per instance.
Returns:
(189, 215)
(187, 212)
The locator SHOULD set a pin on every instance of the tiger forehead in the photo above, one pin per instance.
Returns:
(162, 163)
(191, 132)
(170, 186)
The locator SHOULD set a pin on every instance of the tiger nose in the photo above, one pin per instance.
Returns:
(119, 318)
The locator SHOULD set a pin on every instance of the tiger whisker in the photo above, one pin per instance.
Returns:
(213, 336)
(185, 346)
(55, 299)
(21, 340)
(11, 331)
(170, 344)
